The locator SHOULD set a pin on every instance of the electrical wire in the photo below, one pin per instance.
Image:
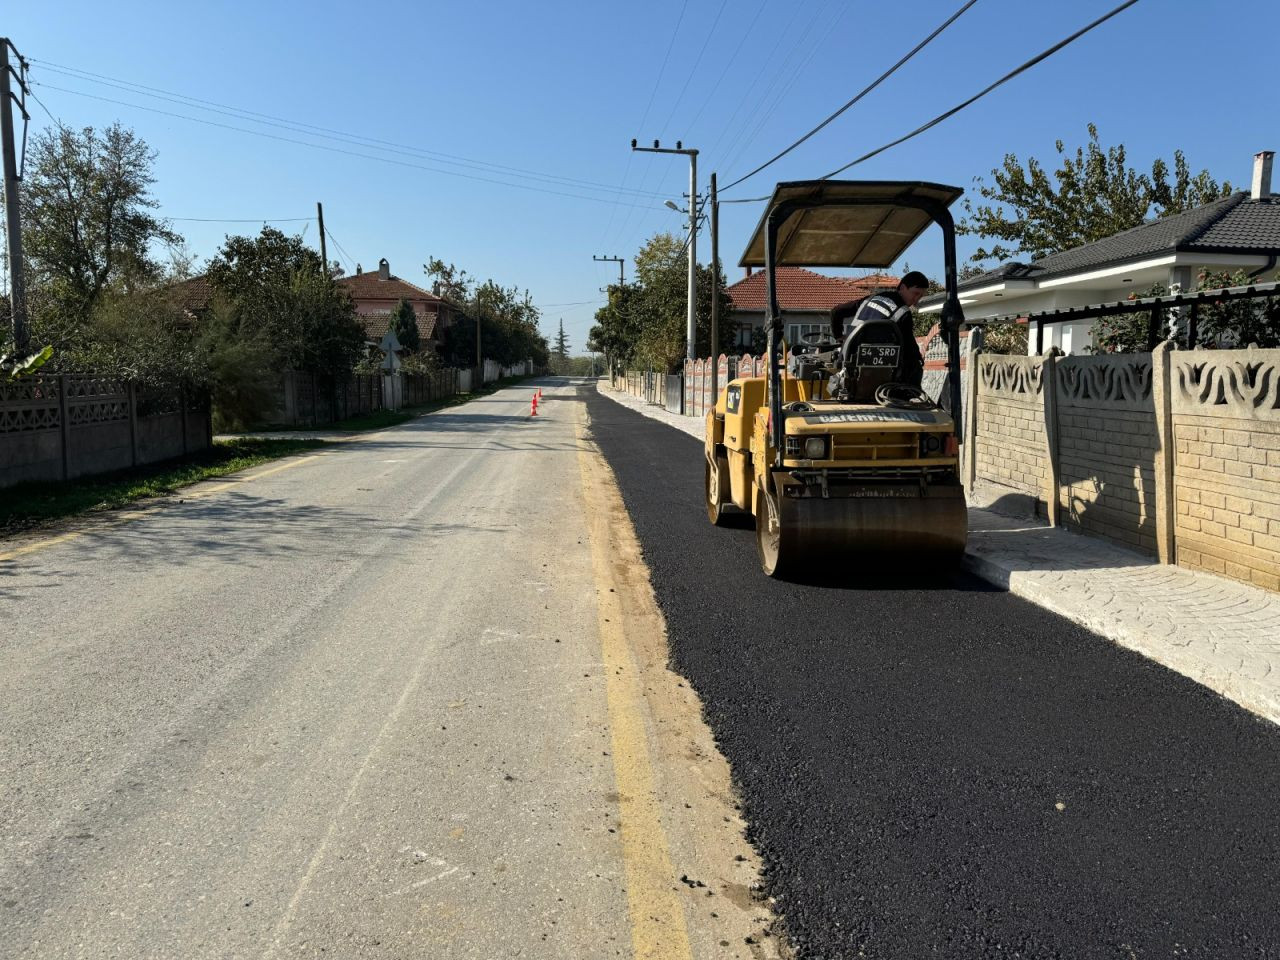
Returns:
(313, 130)
(347, 259)
(643, 119)
(239, 220)
(978, 96)
(662, 130)
(332, 149)
(956, 109)
(862, 93)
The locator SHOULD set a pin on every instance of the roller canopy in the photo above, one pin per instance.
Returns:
(873, 232)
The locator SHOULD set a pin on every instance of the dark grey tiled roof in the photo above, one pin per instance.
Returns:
(1251, 225)
(1234, 224)
(1158, 236)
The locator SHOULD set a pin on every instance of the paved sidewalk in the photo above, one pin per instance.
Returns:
(1220, 633)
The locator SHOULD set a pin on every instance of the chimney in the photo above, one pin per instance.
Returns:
(384, 269)
(1262, 175)
(746, 272)
(359, 269)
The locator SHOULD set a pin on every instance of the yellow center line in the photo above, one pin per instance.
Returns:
(658, 926)
(197, 493)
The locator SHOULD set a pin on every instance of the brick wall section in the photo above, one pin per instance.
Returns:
(1227, 496)
(1107, 448)
(1011, 444)
(1107, 475)
(1009, 434)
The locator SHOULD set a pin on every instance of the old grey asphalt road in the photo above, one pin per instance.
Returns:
(402, 698)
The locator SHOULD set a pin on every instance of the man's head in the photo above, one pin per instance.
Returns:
(912, 287)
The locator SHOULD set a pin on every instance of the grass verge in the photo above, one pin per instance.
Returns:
(32, 505)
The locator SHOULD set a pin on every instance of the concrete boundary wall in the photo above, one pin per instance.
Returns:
(1174, 453)
(56, 428)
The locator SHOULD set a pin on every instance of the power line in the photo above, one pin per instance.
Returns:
(862, 93)
(662, 130)
(644, 176)
(978, 96)
(332, 149)
(956, 109)
(347, 259)
(313, 130)
(239, 220)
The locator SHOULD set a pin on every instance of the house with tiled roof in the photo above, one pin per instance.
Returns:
(804, 297)
(377, 293)
(1238, 232)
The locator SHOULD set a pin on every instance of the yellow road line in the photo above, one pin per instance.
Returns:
(193, 494)
(658, 926)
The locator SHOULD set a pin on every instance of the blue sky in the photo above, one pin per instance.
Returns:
(545, 98)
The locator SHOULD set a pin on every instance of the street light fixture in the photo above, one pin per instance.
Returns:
(671, 204)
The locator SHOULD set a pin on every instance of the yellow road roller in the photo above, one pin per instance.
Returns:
(836, 451)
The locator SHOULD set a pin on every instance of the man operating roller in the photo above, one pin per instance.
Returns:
(895, 306)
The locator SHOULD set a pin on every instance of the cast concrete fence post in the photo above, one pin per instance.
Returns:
(970, 436)
(64, 421)
(132, 391)
(1053, 470)
(1166, 545)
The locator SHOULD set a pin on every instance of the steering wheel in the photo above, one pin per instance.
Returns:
(903, 396)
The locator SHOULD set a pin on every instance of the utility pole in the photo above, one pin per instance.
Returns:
(715, 290)
(692, 325)
(12, 215)
(622, 275)
(324, 255)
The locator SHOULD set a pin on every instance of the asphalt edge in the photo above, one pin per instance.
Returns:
(1250, 695)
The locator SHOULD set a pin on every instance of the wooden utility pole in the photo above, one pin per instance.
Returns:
(12, 215)
(324, 254)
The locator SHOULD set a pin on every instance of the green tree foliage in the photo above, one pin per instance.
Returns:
(507, 316)
(660, 305)
(87, 224)
(404, 322)
(277, 290)
(617, 326)
(1092, 195)
(560, 352)
(1236, 323)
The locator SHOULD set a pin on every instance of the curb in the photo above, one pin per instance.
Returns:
(1251, 695)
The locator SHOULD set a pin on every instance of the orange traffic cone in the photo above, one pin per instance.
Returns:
(533, 406)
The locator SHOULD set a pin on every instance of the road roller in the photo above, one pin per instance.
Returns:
(839, 455)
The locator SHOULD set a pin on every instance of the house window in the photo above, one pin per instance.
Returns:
(796, 332)
(744, 336)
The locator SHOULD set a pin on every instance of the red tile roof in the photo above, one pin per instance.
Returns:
(192, 295)
(377, 324)
(368, 286)
(800, 289)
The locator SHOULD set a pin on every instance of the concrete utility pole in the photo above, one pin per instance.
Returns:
(324, 255)
(692, 326)
(12, 215)
(622, 276)
(715, 290)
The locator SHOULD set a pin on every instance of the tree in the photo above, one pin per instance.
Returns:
(277, 289)
(661, 302)
(404, 322)
(560, 352)
(87, 222)
(506, 317)
(1096, 195)
(617, 326)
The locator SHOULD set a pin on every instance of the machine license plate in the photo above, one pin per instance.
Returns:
(877, 355)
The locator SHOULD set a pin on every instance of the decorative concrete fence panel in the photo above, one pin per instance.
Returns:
(689, 388)
(1225, 413)
(61, 427)
(1009, 440)
(1105, 444)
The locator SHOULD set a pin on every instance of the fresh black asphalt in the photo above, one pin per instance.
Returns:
(944, 770)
